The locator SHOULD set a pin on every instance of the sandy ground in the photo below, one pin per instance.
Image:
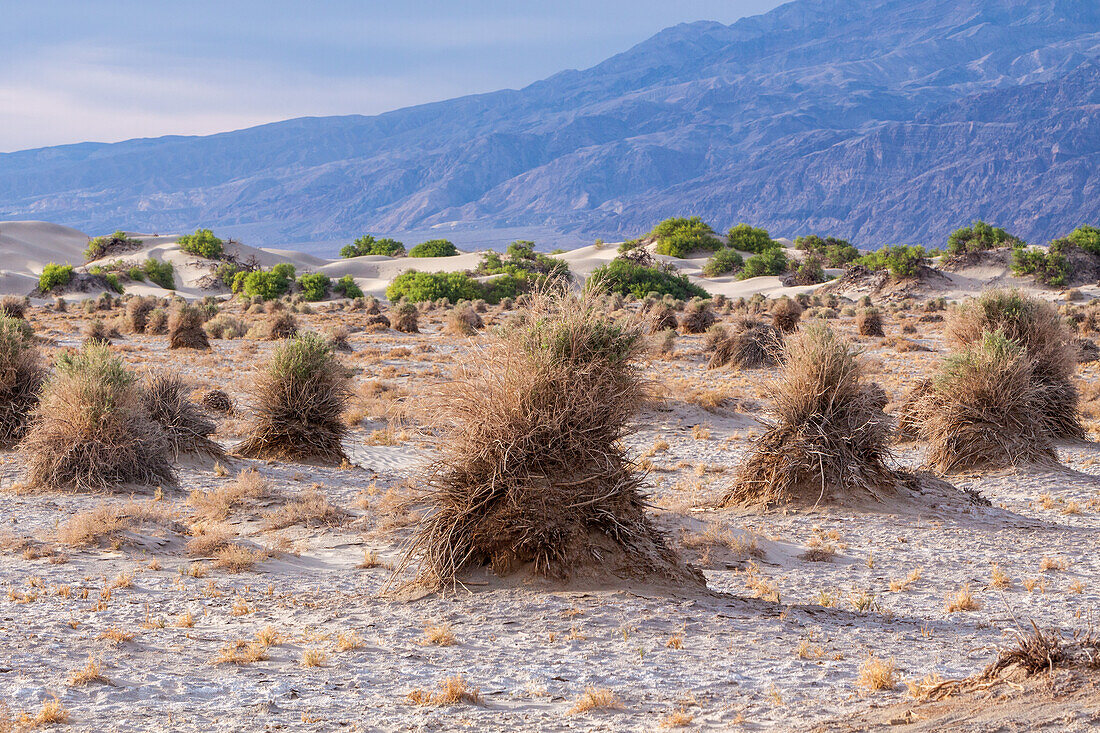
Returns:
(775, 642)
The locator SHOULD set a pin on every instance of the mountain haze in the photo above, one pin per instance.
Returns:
(879, 120)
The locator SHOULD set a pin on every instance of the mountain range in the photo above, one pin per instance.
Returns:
(881, 121)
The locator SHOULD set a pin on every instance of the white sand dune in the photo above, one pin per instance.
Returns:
(27, 246)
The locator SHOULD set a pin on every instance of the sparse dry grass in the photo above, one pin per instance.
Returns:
(595, 698)
(877, 674)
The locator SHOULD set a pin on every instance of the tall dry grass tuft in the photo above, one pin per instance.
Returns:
(137, 313)
(869, 322)
(1036, 326)
(299, 397)
(661, 317)
(984, 409)
(91, 431)
(13, 306)
(165, 398)
(828, 441)
(185, 329)
(463, 321)
(531, 469)
(21, 375)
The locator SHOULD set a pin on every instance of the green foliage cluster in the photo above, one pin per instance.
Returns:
(771, 261)
(522, 261)
(633, 278)
(161, 273)
(723, 261)
(202, 243)
(810, 270)
(1050, 267)
(315, 286)
(226, 272)
(419, 287)
(267, 284)
(901, 260)
(100, 246)
(54, 276)
(833, 252)
(750, 239)
(113, 281)
(680, 237)
(434, 248)
(346, 287)
(368, 245)
(979, 237)
(1087, 238)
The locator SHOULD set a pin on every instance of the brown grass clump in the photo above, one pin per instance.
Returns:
(21, 375)
(337, 337)
(91, 431)
(661, 317)
(452, 691)
(878, 674)
(185, 329)
(165, 398)
(698, 316)
(216, 400)
(13, 306)
(463, 321)
(279, 325)
(225, 326)
(829, 438)
(869, 322)
(914, 409)
(750, 345)
(97, 331)
(157, 323)
(1036, 326)
(300, 397)
(984, 410)
(405, 317)
(595, 698)
(786, 314)
(137, 313)
(531, 469)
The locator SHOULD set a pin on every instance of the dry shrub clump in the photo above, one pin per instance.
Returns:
(300, 397)
(751, 344)
(531, 469)
(165, 398)
(216, 400)
(869, 322)
(698, 316)
(337, 337)
(185, 329)
(279, 325)
(225, 326)
(97, 331)
(137, 313)
(1036, 326)
(463, 321)
(829, 438)
(21, 375)
(13, 306)
(785, 314)
(661, 317)
(984, 409)
(157, 323)
(91, 431)
(405, 318)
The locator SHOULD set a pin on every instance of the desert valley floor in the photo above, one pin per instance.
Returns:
(298, 625)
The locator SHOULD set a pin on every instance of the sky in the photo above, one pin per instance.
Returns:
(75, 71)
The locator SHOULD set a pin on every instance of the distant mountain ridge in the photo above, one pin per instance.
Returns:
(879, 120)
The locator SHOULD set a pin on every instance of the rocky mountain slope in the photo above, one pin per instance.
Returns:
(879, 120)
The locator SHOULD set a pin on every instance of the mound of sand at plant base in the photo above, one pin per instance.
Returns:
(28, 246)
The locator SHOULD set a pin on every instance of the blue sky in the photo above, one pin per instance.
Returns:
(76, 70)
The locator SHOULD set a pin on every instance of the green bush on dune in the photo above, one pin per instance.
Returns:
(632, 278)
(54, 276)
(161, 273)
(267, 284)
(979, 237)
(834, 252)
(368, 245)
(101, 246)
(680, 237)
(434, 248)
(347, 288)
(901, 260)
(202, 243)
(315, 286)
(750, 239)
(771, 261)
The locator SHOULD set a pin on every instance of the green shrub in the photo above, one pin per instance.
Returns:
(111, 277)
(833, 251)
(979, 237)
(679, 237)
(1087, 238)
(315, 286)
(434, 248)
(419, 287)
(504, 286)
(100, 246)
(269, 285)
(750, 239)
(521, 260)
(901, 260)
(368, 245)
(1050, 267)
(723, 261)
(769, 262)
(54, 276)
(227, 272)
(202, 243)
(631, 278)
(346, 287)
(810, 271)
(161, 273)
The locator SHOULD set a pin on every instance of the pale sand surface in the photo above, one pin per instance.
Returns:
(774, 644)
